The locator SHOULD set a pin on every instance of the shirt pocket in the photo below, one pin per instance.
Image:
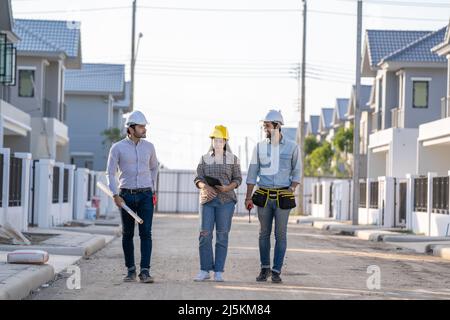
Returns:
(285, 161)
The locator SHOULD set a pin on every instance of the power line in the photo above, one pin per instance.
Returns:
(74, 11)
(404, 3)
(282, 10)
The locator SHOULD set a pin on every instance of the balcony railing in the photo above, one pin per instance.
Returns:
(375, 121)
(445, 107)
(397, 118)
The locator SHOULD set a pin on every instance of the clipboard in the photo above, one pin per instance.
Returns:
(212, 181)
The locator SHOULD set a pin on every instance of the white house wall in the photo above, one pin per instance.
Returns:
(436, 157)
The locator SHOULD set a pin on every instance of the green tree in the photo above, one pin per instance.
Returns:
(319, 160)
(343, 145)
(343, 140)
(311, 144)
(112, 135)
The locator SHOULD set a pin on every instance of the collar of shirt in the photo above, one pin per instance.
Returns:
(131, 141)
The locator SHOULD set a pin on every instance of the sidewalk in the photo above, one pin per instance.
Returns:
(65, 248)
(437, 246)
(64, 242)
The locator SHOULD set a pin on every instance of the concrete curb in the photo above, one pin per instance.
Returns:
(373, 235)
(326, 225)
(22, 283)
(85, 249)
(413, 238)
(311, 220)
(94, 245)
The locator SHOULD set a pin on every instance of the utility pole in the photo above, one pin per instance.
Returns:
(302, 113)
(133, 55)
(356, 125)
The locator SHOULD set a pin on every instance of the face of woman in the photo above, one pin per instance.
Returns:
(218, 144)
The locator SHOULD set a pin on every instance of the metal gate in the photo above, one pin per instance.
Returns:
(32, 219)
(400, 188)
(381, 187)
(330, 212)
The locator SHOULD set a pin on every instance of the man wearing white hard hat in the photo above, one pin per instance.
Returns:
(135, 158)
(275, 168)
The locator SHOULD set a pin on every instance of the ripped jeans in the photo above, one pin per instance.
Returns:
(220, 215)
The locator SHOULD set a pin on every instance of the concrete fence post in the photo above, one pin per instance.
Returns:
(430, 175)
(43, 192)
(5, 194)
(410, 200)
(80, 193)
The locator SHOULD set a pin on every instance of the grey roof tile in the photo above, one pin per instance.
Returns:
(107, 78)
(48, 36)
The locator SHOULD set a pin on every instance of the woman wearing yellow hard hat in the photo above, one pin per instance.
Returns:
(218, 175)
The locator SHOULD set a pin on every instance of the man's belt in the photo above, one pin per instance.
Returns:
(133, 191)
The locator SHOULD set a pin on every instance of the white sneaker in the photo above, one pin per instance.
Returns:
(218, 277)
(202, 276)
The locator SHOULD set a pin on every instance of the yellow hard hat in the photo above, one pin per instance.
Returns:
(220, 132)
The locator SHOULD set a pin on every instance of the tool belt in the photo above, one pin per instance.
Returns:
(285, 198)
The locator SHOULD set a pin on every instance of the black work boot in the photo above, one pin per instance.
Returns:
(131, 276)
(263, 275)
(145, 277)
(276, 277)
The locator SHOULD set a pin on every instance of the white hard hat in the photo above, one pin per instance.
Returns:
(274, 116)
(136, 117)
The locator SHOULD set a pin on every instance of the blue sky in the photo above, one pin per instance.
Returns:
(183, 109)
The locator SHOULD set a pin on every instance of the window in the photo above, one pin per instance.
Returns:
(420, 94)
(2, 54)
(8, 55)
(26, 80)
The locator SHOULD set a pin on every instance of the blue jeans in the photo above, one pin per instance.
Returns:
(220, 214)
(142, 204)
(266, 216)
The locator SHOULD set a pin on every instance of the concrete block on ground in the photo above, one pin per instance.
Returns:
(441, 250)
(58, 262)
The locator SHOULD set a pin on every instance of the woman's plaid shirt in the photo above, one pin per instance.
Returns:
(227, 170)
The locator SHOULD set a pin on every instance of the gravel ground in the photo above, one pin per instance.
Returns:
(319, 265)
